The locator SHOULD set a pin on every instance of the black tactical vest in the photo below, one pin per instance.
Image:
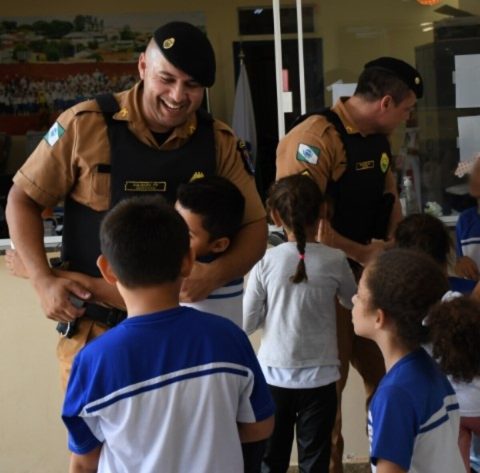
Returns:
(361, 208)
(135, 169)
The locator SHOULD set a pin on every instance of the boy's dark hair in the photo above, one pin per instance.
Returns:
(145, 241)
(297, 199)
(454, 332)
(219, 202)
(375, 83)
(405, 285)
(425, 233)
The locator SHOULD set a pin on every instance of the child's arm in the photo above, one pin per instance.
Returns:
(256, 431)
(254, 442)
(348, 287)
(254, 301)
(465, 267)
(87, 463)
(384, 466)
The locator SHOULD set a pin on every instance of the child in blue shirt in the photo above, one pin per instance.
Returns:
(414, 415)
(213, 209)
(427, 234)
(169, 389)
(468, 232)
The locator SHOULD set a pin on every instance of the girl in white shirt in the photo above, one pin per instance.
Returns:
(291, 294)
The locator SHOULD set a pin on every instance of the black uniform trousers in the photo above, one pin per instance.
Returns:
(311, 413)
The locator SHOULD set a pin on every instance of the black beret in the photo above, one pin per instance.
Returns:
(188, 49)
(402, 70)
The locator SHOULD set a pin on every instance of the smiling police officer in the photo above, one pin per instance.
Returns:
(346, 150)
(150, 138)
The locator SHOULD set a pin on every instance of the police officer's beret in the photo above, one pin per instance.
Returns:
(188, 49)
(402, 70)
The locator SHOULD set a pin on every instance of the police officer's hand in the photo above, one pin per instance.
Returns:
(374, 248)
(199, 284)
(326, 234)
(55, 292)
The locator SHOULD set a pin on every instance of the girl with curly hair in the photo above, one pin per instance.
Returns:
(414, 417)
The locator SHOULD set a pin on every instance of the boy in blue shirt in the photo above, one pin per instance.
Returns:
(468, 232)
(213, 208)
(170, 389)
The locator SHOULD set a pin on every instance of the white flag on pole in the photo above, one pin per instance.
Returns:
(243, 122)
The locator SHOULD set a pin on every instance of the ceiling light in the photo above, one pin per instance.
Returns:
(428, 2)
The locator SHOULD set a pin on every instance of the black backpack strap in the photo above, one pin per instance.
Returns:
(108, 105)
(203, 115)
(330, 115)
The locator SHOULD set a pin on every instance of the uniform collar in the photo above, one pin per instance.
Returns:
(340, 109)
(130, 111)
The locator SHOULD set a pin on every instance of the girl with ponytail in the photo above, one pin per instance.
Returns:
(291, 294)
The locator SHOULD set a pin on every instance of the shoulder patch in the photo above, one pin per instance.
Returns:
(54, 134)
(384, 163)
(308, 154)
(246, 157)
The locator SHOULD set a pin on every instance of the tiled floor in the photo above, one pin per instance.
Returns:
(348, 468)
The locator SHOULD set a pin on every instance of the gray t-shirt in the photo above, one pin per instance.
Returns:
(298, 320)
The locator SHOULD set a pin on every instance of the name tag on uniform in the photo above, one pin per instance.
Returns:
(145, 186)
(365, 165)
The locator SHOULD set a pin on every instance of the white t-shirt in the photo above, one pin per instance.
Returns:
(163, 393)
(225, 301)
(298, 320)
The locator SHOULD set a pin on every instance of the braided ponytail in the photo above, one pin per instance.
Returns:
(297, 200)
(301, 239)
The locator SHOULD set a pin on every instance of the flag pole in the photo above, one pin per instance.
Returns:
(301, 61)
(277, 31)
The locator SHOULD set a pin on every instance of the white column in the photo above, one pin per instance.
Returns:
(278, 67)
(301, 61)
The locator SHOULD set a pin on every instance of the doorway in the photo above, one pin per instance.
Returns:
(260, 64)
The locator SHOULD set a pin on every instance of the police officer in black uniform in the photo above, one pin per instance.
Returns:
(150, 138)
(346, 150)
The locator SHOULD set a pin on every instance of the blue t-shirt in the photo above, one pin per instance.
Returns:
(164, 392)
(468, 234)
(414, 418)
(461, 285)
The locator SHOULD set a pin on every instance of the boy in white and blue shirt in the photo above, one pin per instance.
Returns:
(468, 232)
(213, 209)
(170, 389)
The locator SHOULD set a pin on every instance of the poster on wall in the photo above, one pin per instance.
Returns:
(48, 64)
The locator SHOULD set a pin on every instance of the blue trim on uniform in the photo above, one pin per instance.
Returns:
(471, 242)
(235, 282)
(162, 384)
(443, 419)
(225, 296)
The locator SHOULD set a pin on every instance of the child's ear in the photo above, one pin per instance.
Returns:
(106, 270)
(380, 319)
(276, 218)
(187, 264)
(220, 245)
